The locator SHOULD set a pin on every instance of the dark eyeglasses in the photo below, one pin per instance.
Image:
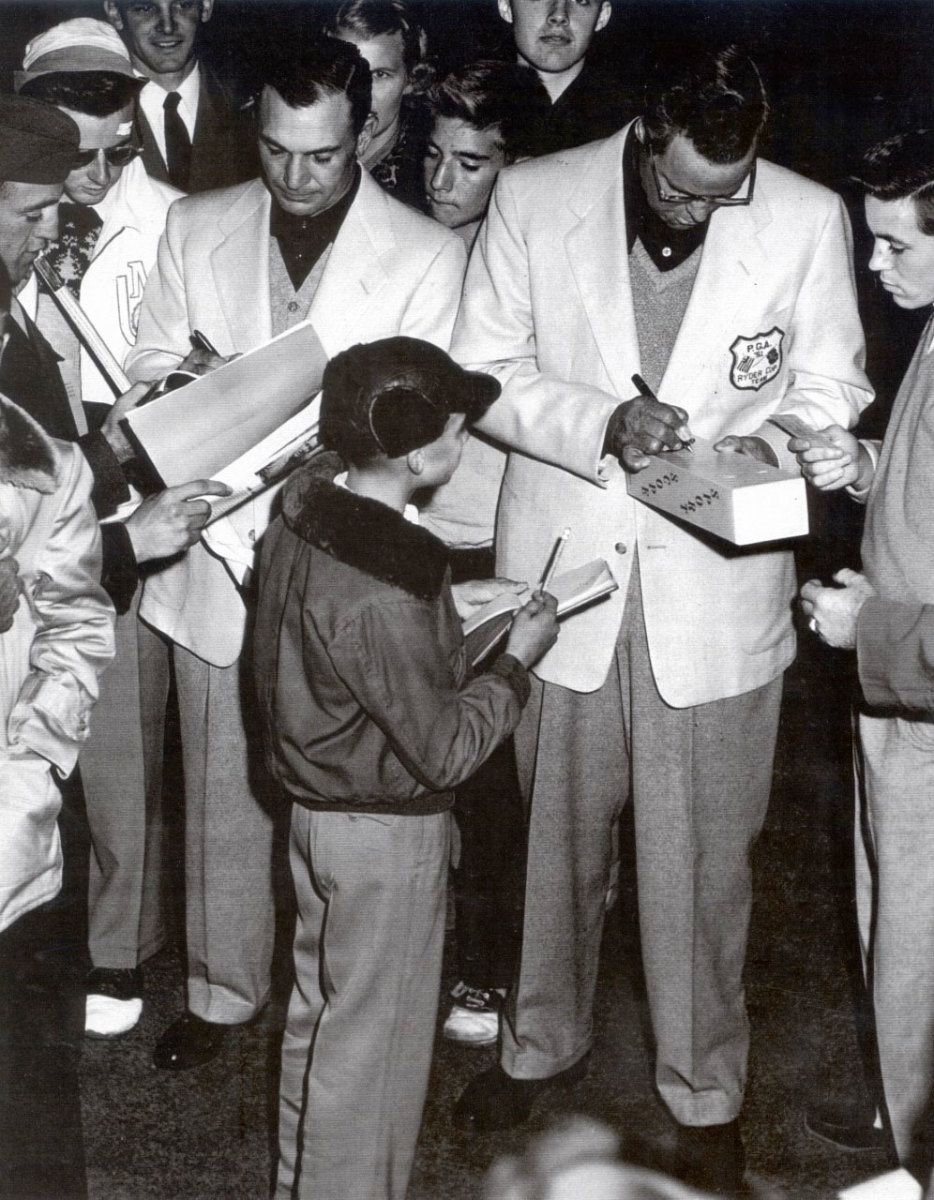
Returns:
(116, 156)
(742, 195)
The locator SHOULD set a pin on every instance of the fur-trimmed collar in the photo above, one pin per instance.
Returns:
(28, 459)
(362, 532)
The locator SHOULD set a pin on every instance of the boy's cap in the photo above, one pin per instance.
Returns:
(82, 44)
(38, 143)
(395, 395)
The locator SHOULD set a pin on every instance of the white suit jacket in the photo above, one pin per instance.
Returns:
(547, 308)
(390, 271)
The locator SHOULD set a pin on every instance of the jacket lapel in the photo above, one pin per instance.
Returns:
(240, 264)
(732, 262)
(354, 275)
(596, 250)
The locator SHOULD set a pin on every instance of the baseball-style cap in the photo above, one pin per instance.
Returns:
(395, 395)
(38, 143)
(82, 44)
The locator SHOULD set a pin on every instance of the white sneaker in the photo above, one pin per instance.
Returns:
(474, 1016)
(114, 1002)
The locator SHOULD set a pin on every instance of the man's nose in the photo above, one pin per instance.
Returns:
(166, 19)
(47, 228)
(700, 210)
(296, 173)
(558, 12)
(443, 177)
(876, 262)
(98, 169)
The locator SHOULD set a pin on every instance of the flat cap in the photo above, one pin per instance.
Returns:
(38, 143)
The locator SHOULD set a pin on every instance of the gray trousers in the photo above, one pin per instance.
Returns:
(356, 1053)
(121, 772)
(699, 779)
(229, 907)
(895, 905)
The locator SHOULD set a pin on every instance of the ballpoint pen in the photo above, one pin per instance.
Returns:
(644, 390)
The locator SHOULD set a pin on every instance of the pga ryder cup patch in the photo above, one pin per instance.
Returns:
(756, 359)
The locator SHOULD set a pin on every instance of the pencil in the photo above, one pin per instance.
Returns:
(553, 559)
(200, 342)
(644, 390)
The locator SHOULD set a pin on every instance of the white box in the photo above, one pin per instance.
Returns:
(730, 495)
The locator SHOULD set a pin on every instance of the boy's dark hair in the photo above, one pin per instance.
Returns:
(374, 18)
(492, 95)
(93, 93)
(714, 96)
(305, 71)
(900, 168)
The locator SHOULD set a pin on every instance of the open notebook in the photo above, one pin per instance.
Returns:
(574, 589)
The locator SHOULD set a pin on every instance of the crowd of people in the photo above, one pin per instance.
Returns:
(526, 280)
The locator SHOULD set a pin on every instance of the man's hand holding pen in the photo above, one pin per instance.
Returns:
(643, 426)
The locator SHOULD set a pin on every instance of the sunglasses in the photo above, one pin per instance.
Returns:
(742, 195)
(116, 156)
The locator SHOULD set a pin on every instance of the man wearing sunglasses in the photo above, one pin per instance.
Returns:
(112, 213)
(667, 250)
(110, 219)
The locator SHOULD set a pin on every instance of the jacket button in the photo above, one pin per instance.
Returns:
(620, 547)
(292, 306)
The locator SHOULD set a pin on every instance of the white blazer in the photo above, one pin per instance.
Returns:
(548, 309)
(390, 271)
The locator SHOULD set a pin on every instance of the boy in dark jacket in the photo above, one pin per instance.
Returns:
(370, 721)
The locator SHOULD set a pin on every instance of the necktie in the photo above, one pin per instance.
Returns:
(177, 143)
(79, 226)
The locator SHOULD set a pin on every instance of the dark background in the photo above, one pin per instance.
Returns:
(841, 74)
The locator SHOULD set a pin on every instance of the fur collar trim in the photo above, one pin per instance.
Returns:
(362, 532)
(28, 458)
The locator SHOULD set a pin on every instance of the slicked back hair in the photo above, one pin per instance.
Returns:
(714, 96)
(308, 70)
(901, 168)
(368, 19)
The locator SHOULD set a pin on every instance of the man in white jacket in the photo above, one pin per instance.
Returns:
(110, 220)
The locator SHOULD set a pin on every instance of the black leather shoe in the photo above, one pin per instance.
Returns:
(189, 1042)
(846, 1126)
(711, 1158)
(494, 1100)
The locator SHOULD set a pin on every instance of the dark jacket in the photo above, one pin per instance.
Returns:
(360, 660)
(223, 149)
(30, 377)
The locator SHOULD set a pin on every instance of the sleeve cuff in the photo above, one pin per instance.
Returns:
(509, 668)
(110, 486)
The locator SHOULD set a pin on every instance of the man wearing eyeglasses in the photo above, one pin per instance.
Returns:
(669, 250)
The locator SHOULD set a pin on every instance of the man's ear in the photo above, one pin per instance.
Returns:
(112, 13)
(416, 461)
(505, 9)
(365, 136)
(606, 11)
(207, 7)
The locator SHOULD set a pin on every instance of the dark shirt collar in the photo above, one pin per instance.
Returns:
(302, 240)
(666, 247)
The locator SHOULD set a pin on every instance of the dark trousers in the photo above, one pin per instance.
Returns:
(489, 883)
(42, 968)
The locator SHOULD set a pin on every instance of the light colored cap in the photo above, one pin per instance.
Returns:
(82, 44)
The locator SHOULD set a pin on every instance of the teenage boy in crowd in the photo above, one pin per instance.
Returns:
(392, 41)
(885, 615)
(555, 38)
(370, 722)
(482, 118)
